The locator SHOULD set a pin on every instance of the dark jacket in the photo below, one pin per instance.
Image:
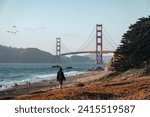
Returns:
(60, 76)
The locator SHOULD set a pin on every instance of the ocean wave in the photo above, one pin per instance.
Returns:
(34, 78)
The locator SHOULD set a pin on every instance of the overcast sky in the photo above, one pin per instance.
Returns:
(39, 22)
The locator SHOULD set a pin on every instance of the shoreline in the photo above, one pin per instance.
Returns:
(35, 81)
(95, 85)
(46, 84)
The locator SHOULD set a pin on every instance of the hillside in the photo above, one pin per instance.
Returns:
(34, 55)
(20, 55)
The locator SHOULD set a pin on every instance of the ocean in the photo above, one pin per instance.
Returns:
(20, 73)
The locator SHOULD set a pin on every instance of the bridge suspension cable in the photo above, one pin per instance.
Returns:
(109, 36)
(108, 42)
(88, 44)
(84, 45)
(65, 47)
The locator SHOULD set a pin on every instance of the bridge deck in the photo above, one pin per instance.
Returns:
(82, 52)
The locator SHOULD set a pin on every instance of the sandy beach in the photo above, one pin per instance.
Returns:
(89, 86)
(24, 89)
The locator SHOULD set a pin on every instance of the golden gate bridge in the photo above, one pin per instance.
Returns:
(98, 49)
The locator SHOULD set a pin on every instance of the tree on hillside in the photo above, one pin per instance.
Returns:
(134, 50)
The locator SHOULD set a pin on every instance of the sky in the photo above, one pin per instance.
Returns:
(38, 23)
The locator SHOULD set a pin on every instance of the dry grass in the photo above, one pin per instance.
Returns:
(138, 88)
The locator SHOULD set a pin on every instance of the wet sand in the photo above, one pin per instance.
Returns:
(24, 89)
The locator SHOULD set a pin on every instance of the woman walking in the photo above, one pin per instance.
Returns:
(60, 77)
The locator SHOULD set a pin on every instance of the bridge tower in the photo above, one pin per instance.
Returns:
(99, 43)
(58, 48)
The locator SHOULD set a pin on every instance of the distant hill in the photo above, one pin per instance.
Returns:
(106, 58)
(76, 58)
(20, 55)
(34, 55)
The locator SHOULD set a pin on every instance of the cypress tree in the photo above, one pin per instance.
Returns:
(134, 50)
